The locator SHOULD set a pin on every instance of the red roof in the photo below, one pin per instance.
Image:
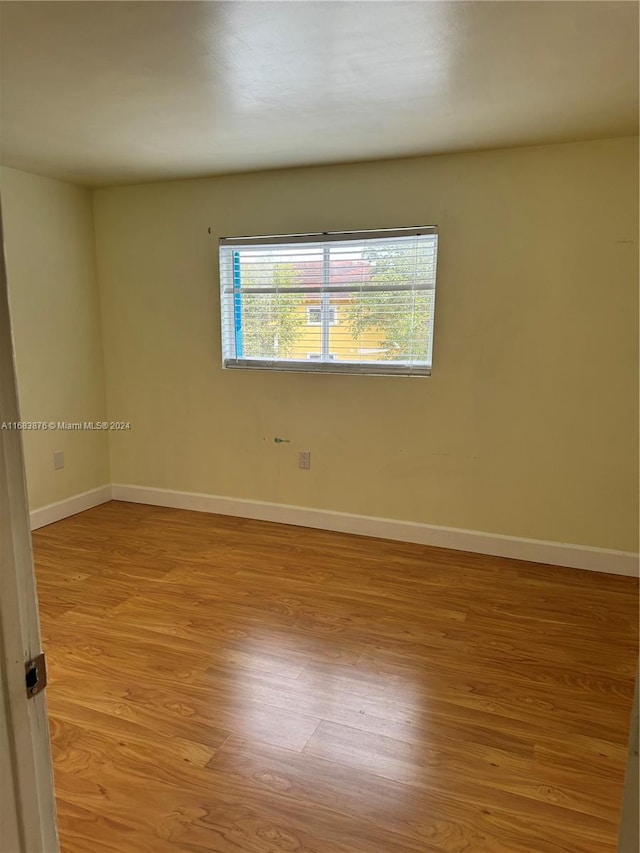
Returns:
(340, 272)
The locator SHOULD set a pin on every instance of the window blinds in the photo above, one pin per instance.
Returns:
(354, 302)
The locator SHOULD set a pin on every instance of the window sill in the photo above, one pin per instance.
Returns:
(353, 368)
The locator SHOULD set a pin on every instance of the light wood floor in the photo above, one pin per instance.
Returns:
(235, 686)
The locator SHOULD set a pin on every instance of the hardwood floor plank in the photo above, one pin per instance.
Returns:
(233, 686)
(85, 830)
(445, 821)
(168, 717)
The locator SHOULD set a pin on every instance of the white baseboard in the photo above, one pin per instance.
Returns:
(496, 544)
(69, 506)
(533, 550)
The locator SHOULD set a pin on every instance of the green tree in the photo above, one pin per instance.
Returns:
(271, 322)
(402, 317)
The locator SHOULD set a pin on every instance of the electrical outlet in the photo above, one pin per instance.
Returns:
(58, 459)
(304, 459)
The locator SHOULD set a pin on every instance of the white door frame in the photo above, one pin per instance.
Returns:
(27, 804)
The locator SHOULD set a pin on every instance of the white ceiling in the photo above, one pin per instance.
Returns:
(118, 92)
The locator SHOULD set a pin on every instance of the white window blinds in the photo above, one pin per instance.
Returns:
(348, 302)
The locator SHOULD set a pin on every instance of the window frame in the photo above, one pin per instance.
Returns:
(333, 315)
(317, 356)
(305, 364)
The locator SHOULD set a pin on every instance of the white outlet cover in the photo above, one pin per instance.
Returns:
(304, 459)
(58, 459)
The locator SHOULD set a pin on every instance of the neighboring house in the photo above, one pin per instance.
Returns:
(286, 309)
(342, 344)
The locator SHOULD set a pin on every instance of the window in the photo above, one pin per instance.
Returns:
(347, 302)
(314, 315)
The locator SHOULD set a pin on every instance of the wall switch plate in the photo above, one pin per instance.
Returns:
(58, 459)
(304, 459)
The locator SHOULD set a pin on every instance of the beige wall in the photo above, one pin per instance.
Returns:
(49, 243)
(528, 425)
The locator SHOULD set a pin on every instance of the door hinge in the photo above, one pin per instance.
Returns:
(35, 675)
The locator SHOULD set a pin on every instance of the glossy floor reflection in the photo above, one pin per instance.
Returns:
(227, 685)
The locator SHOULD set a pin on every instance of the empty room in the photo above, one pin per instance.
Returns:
(319, 427)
